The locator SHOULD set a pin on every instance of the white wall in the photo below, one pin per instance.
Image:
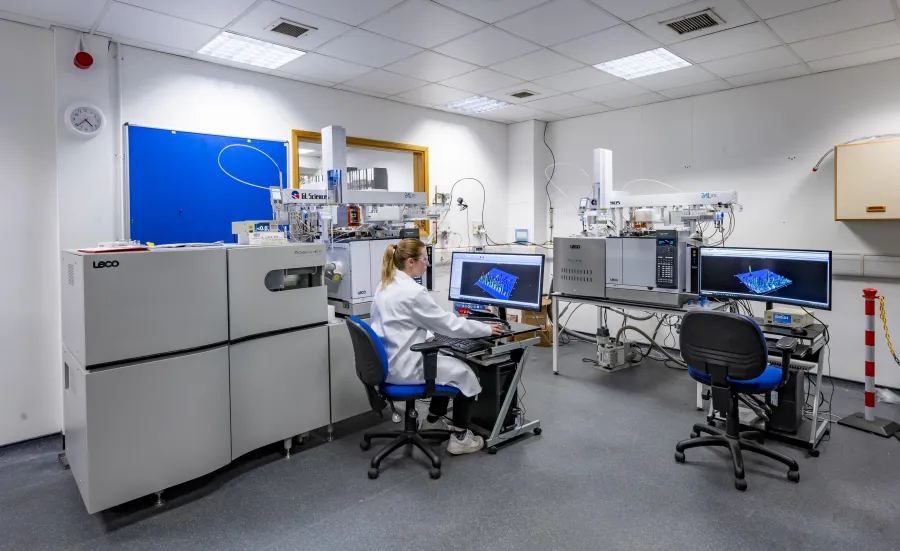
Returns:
(762, 141)
(30, 372)
(166, 91)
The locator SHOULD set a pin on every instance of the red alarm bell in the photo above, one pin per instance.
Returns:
(83, 60)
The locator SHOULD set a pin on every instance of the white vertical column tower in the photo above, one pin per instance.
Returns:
(334, 154)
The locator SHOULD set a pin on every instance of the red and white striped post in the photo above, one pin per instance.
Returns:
(869, 295)
(867, 421)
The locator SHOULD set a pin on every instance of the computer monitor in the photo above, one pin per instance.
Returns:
(498, 279)
(785, 276)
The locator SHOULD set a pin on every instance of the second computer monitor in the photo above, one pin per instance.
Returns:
(773, 275)
(498, 279)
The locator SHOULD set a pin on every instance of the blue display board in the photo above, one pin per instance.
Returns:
(180, 191)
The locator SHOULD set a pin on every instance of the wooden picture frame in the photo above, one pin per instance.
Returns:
(419, 153)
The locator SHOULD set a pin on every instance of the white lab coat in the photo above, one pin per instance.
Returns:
(402, 314)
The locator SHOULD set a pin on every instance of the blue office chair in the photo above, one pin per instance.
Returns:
(728, 352)
(372, 370)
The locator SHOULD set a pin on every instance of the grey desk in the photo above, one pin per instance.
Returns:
(503, 350)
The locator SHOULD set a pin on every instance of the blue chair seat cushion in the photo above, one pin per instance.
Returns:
(769, 380)
(413, 391)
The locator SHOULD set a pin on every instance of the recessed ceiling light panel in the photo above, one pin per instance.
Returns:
(643, 64)
(477, 104)
(243, 49)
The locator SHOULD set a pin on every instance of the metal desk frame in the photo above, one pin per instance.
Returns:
(817, 429)
(500, 353)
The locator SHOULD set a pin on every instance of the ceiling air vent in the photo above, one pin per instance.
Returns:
(523, 94)
(289, 28)
(694, 22)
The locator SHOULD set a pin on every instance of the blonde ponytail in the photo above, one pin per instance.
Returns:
(395, 257)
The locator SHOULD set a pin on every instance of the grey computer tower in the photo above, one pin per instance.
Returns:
(579, 266)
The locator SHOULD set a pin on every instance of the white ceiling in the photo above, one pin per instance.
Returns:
(431, 52)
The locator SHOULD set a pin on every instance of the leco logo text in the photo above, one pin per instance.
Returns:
(574, 246)
(107, 264)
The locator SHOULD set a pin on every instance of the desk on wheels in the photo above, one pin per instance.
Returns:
(504, 351)
(808, 357)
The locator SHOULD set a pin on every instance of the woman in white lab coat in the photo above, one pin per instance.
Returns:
(402, 314)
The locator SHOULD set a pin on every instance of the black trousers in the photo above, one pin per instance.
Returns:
(462, 409)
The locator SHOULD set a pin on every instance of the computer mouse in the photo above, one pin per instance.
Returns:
(798, 331)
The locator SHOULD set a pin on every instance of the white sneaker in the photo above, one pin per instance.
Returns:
(470, 443)
(440, 424)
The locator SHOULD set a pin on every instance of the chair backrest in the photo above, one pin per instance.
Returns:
(713, 340)
(371, 357)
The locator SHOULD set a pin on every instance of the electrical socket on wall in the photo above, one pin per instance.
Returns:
(477, 227)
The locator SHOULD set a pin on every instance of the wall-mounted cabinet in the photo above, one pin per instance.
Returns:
(867, 181)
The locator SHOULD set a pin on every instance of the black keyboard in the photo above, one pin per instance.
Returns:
(466, 346)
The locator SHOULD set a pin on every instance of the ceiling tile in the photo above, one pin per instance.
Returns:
(493, 10)
(773, 8)
(602, 94)
(359, 91)
(430, 66)
(734, 12)
(324, 68)
(434, 94)
(558, 21)
(81, 15)
(606, 45)
(535, 65)
(731, 42)
(255, 22)
(367, 48)
(552, 117)
(632, 9)
(696, 89)
(126, 21)
(752, 62)
(214, 60)
(519, 113)
(481, 81)
(586, 110)
(848, 42)
(422, 23)
(486, 47)
(504, 93)
(351, 12)
(383, 82)
(831, 18)
(579, 79)
(675, 78)
(558, 104)
(302, 78)
(861, 58)
(634, 101)
(217, 13)
(779, 73)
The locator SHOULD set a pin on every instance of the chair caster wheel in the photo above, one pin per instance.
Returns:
(373, 473)
(794, 476)
(556, 372)
(740, 484)
(814, 453)
(538, 431)
(365, 445)
(679, 457)
(434, 473)
(695, 435)
(492, 450)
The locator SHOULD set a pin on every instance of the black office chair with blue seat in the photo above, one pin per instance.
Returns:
(372, 370)
(728, 352)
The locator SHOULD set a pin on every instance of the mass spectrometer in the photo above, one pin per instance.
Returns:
(638, 248)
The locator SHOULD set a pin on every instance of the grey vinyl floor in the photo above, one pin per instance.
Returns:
(600, 477)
